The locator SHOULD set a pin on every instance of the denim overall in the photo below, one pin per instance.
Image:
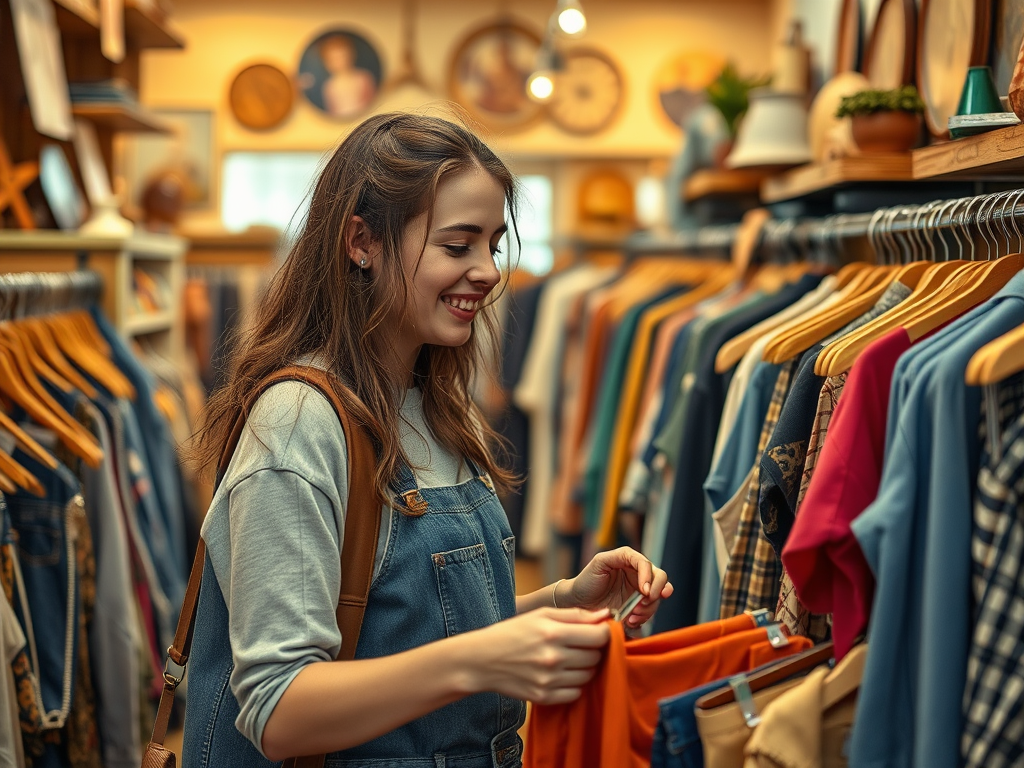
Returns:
(445, 571)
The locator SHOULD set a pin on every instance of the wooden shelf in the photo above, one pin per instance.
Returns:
(77, 19)
(144, 27)
(120, 117)
(147, 27)
(725, 183)
(987, 155)
(809, 179)
(145, 245)
(252, 248)
(150, 322)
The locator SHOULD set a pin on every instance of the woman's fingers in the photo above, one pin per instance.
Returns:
(580, 658)
(578, 635)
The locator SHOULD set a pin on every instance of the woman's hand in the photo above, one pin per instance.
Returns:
(610, 578)
(545, 656)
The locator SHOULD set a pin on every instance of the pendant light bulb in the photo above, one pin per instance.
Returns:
(541, 86)
(571, 20)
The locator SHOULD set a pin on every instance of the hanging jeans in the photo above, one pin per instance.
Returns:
(46, 601)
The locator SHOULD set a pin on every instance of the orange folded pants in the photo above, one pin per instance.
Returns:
(612, 724)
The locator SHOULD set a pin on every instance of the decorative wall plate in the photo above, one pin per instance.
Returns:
(340, 73)
(953, 36)
(261, 96)
(889, 60)
(488, 75)
(588, 92)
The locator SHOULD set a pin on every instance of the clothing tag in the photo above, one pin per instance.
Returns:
(745, 698)
(762, 617)
(627, 607)
(777, 637)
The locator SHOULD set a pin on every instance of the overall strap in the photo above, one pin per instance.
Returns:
(362, 525)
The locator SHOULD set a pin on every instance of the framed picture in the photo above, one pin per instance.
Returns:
(681, 80)
(188, 150)
(340, 73)
(488, 75)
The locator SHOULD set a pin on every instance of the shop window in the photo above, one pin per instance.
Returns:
(271, 188)
(536, 222)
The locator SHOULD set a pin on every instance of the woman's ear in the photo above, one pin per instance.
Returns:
(359, 243)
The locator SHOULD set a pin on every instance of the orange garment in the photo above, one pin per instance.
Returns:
(612, 724)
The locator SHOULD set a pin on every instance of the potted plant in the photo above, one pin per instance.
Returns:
(730, 94)
(884, 121)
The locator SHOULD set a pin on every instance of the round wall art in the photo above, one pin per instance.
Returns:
(488, 75)
(340, 73)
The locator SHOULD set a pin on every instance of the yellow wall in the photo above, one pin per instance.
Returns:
(226, 35)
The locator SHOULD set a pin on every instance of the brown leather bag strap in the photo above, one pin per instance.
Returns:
(362, 526)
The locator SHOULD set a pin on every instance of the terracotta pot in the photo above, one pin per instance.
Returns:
(890, 131)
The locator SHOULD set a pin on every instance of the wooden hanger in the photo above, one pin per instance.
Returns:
(7, 485)
(79, 442)
(777, 673)
(1004, 356)
(28, 375)
(845, 678)
(840, 355)
(27, 443)
(734, 349)
(68, 336)
(21, 476)
(865, 287)
(848, 271)
(17, 338)
(43, 341)
(980, 286)
(84, 322)
(924, 279)
(998, 360)
(863, 295)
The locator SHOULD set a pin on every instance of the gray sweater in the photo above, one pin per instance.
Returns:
(274, 535)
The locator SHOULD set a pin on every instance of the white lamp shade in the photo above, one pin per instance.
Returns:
(773, 132)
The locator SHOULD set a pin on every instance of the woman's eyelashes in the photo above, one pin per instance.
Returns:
(459, 249)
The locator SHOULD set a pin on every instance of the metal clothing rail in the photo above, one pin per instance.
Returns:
(24, 294)
(983, 226)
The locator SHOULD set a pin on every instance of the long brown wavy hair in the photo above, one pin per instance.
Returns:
(320, 305)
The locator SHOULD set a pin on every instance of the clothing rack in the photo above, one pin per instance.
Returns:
(993, 222)
(25, 294)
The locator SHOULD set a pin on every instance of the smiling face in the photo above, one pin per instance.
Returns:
(456, 271)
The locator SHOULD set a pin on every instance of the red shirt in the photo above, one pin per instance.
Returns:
(612, 724)
(822, 555)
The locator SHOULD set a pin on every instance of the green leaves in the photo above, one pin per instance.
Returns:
(905, 99)
(729, 94)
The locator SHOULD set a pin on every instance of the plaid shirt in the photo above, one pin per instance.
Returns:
(993, 703)
(790, 611)
(752, 576)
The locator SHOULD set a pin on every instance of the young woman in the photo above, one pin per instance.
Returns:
(388, 287)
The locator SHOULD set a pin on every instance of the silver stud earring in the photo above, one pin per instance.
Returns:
(362, 263)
